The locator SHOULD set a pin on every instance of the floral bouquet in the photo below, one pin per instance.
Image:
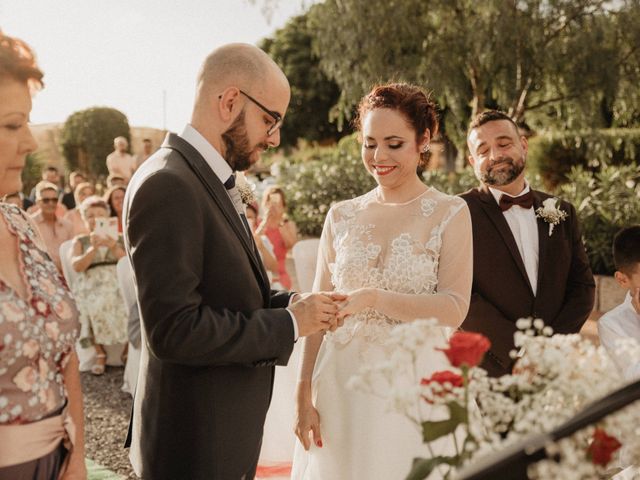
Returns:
(554, 378)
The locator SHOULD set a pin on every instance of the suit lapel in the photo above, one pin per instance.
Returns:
(216, 190)
(491, 208)
(543, 237)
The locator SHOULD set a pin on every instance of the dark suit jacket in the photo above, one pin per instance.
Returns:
(501, 292)
(212, 330)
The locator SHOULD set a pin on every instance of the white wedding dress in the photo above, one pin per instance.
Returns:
(420, 254)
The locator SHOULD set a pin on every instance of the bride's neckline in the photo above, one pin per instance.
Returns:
(397, 204)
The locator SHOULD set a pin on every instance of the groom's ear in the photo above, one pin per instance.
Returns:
(228, 103)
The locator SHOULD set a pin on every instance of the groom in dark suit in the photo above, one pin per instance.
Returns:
(524, 265)
(212, 330)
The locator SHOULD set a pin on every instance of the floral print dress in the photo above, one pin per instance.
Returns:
(102, 312)
(37, 334)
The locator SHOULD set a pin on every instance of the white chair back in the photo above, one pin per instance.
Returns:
(128, 293)
(66, 253)
(125, 282)
(305, 256)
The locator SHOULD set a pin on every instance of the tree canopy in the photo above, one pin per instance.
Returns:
(312, 93)
(549, 63)
(87, 138)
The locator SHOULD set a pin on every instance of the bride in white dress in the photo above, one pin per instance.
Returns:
(401, 252)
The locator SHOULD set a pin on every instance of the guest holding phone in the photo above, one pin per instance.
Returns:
(102, 314)
(280, 231)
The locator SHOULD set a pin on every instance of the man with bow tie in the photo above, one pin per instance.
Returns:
(212, 329)
(528, 260)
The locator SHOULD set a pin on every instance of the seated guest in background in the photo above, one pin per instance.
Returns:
(82, 191)
(102, 314)
(121, 163)
(624, 320)
(264, 245)
(49, 174)
(41, 420)
(116, 181)
(115, 199)
(13, 198)
(147, 150)
(54, 230)
(280, 230)
(68, 197)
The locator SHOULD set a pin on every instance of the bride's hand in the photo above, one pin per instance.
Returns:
(357, 301)
(308, 421)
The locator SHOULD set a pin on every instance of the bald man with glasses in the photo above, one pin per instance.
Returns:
(212, 329)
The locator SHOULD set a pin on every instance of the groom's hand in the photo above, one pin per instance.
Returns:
(316, 312)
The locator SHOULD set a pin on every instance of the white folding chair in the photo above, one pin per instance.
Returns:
(128, 293)
(66, 253)
(85, 355)
(305, 256)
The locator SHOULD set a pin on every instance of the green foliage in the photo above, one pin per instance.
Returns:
(312, 93)
(452, 183)
(32, 172)
(606, 201)
(554, 155)
(87, 138)
(422, 467)
(570, 64)
(316, 178)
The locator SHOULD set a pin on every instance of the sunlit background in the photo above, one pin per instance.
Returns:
(140, 57)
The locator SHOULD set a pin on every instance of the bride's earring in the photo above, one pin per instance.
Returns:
(425, 149)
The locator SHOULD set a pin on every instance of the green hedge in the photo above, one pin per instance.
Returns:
(314, 179)
(606, 201)
(554, 155)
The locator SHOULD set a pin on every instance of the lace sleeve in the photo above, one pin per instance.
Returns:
(450, 302)
(326, 257)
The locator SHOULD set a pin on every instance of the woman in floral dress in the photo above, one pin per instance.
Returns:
(41, 420)
(102, 312)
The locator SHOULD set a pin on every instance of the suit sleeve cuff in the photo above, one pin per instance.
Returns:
(295, 323)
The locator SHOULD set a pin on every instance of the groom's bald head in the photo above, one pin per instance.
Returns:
(241, 98)
(239, 65)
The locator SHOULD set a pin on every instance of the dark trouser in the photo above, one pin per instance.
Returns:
(43, 468)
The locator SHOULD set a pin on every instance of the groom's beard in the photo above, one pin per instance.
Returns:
(238, 151)
(498, 177)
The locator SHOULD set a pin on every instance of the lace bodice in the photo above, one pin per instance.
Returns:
(419, 253)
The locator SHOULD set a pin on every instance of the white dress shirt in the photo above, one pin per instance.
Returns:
(524, 227)
(621, 322)
(223, 171)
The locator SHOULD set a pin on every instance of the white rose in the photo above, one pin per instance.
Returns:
(549, 205)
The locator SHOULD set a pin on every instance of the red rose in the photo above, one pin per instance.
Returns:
(446, 376)
(443, 377)
(602, 447)
(466, 348)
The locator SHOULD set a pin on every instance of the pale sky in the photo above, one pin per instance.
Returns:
(124, 54)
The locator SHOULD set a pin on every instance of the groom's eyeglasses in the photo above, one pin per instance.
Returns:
(277, 118)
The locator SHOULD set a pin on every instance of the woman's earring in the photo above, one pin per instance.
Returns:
(425, 149)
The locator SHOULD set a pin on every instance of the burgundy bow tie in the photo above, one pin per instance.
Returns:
(525, 201)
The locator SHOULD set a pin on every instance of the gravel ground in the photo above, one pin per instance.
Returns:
(106, 418)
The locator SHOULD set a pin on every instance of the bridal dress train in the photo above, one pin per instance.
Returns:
(419, 253)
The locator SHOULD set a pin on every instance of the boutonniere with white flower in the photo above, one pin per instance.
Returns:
(550, 213)
(245, 189)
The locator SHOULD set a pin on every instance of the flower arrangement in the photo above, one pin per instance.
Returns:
(555, 377)
(550, 213)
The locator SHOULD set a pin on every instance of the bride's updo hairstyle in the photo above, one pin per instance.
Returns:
(412, 101)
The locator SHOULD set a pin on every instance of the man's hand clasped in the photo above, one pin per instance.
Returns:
(317, 312)
(326, 311)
